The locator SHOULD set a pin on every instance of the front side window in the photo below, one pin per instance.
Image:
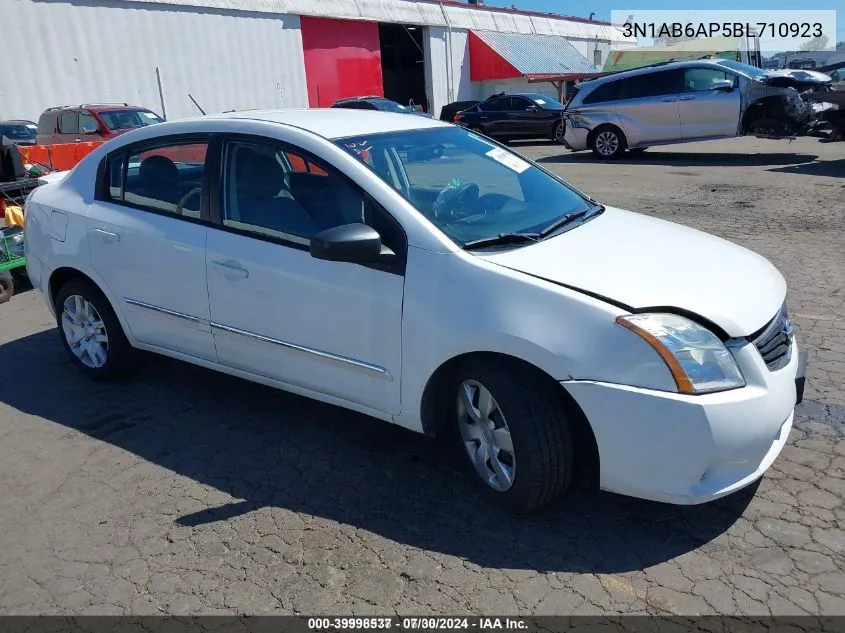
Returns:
(467, 186)
(69, 123)
(87, 121)
(127, 119)
(165, 178)
(701, 79)
(278, 193)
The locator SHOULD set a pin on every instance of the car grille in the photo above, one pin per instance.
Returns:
(774, 342)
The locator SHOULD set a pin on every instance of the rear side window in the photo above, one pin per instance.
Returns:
(495, 105)
(664, 82)
(47, 123)
(163, 179)
(69, 123)
(606, 92)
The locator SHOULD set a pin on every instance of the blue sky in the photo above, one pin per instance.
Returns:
(602, 8)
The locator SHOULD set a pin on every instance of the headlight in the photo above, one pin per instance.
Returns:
(698, 360)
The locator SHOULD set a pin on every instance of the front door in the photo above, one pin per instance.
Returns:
(708, 112)
(147, 242)
(329, 327)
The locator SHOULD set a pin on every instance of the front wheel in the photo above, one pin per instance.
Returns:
(91, 332)
(608, 142)
(559, 133)
(638, 150)
(514, 431)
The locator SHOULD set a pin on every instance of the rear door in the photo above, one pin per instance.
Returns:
(530, 120)
(147, 233)
(707, 112)
(492, 115)
(648, 107)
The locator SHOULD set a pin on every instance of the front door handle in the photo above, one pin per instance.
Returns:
(669, 99)
(107, 236)
(232, 270)
(687, 98)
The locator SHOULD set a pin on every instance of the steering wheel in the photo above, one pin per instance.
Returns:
(456, 203)
(185, 199)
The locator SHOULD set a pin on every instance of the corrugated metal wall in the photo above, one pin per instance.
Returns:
(61, 53)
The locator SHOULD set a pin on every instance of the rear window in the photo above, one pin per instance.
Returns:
(128, 119)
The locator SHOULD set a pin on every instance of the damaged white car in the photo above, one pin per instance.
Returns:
(680, 102)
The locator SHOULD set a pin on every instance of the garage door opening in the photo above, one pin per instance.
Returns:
(403, 63)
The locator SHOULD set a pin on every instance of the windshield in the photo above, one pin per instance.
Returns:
(752, 71)
(18, 131)
(467, 186)
(127, 119)
(389, 106)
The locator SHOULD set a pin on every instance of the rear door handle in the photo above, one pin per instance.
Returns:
(669, 99)
(232, 270)
(107, 236)
(687, 98)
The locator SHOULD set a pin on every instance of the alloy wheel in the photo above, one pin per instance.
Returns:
(85, 332)
(607, 143)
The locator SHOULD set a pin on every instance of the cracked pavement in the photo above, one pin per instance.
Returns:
(189, 492)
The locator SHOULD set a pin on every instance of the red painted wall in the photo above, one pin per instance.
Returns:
(342, 59)
(486, 64)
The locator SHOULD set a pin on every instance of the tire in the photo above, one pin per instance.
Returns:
(116, 357)
(608, 142)
(7, 286)
(638, 150)
(558, 133)
(527, 408)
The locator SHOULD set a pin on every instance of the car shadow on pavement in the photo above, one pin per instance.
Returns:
(831, 168)
(267, 448)
(685, 159)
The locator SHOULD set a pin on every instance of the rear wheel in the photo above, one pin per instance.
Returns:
(608, 142)
(91, 332)
(514, 431)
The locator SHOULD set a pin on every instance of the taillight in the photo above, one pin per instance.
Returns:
(459, 116)
(2, 208)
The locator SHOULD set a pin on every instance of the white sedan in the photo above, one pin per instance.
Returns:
(414, 271)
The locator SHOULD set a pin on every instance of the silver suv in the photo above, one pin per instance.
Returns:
(679, 102)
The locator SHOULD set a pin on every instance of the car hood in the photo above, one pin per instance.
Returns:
(642, 262)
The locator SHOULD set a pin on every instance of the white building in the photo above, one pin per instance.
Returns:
(244, 54)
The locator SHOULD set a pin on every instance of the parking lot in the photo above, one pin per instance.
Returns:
(186, 491)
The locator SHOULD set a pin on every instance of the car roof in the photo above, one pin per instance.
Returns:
(17, 122)
(644, 70)
(334, 123)
(369, 98)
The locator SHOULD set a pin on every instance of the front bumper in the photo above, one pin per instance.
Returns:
(692, 449)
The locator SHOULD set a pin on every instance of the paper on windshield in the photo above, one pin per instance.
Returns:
(511, 161)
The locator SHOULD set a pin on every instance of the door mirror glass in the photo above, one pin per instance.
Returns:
(354, 243)
(89, 128)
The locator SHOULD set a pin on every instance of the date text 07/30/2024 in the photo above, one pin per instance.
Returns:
(416, 623)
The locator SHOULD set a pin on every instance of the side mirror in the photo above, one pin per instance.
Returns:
(533, 108)
(724, 85)
(89, 129)
(353, 243)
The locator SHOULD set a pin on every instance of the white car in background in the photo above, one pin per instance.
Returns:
(414, 271)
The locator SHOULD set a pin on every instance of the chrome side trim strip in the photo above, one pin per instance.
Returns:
(376, 369)
(159, 309)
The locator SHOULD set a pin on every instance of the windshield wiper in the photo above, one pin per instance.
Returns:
(502, 239)
(569, 218)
